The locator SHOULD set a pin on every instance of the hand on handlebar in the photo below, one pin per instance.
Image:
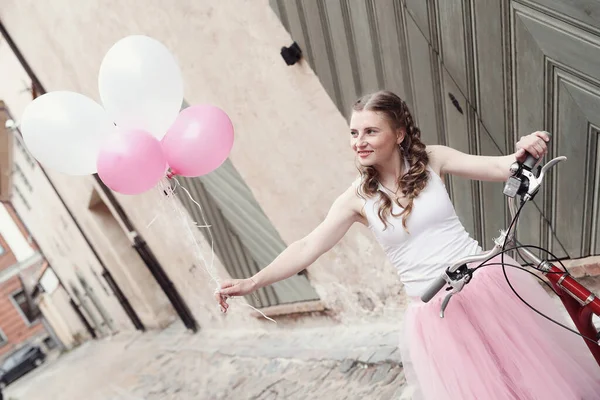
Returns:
(523, 184)
(534, 144)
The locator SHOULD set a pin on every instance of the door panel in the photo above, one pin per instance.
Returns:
(478, 75)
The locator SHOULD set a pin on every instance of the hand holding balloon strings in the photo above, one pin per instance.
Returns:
(139, 134)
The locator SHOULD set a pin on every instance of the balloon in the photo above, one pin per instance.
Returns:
(65, 130)
(199, 141)
(141, 85)
(131, 162)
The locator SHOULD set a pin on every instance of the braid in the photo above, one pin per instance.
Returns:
(415, 179)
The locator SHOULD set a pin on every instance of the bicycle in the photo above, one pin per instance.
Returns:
(580, 303)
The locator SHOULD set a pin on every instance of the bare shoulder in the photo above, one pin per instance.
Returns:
(437, 155)
(350, 200)
(351, 204)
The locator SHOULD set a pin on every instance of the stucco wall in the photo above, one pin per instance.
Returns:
(292, 145)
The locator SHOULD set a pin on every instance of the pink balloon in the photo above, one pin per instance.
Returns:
(131, 161)
(199, 141)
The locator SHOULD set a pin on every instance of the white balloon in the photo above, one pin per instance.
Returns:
(64, 131)
(141, 85)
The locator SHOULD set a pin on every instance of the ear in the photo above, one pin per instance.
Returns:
(400, 134)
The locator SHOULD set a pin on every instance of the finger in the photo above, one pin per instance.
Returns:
(223, 304)
(224, 299)
(543, 135)
(230, 291)
(226, 284)
(541, 149)
(531, 150)
(219, 297)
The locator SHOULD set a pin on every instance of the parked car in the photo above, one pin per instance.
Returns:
(17, 364)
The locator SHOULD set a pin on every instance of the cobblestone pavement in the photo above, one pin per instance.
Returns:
(333, 363)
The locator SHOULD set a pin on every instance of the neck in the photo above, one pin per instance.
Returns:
(391, 170)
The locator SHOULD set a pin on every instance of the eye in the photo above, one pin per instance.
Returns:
(353, 133)
(370, 131)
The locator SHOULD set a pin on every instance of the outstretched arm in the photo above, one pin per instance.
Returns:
(302, 253)
(446, 160)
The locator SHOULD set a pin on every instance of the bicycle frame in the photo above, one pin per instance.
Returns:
(581, 303)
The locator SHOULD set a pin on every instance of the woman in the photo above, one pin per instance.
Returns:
(490, 345)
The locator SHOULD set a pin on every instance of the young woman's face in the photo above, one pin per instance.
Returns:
(373, 139)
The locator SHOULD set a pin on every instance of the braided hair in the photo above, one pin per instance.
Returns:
(415, 179)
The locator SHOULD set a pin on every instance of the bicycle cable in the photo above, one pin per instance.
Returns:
(504, 265)
(484, 264)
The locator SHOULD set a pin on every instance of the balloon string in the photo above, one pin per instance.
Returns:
(185, 220)
(171, 174)
(212, 239)
(209, 268)
(260, 312)
(153, 221)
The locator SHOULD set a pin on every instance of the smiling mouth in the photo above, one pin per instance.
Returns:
(364, 153)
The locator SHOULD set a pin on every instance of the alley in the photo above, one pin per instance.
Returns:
(338, 363)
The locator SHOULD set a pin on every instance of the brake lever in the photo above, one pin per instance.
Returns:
(536, 181)
(526, 182)
(549, 165)
(445, 304)
(457, 280)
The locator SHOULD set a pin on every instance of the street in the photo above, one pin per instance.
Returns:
(335, 363)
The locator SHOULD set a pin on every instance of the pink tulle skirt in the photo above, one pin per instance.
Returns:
(491, 346)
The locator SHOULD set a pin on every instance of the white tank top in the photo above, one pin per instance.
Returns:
(436, 237)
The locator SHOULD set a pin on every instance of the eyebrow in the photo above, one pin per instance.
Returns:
(368, 127)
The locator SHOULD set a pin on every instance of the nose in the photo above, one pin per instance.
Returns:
(361, 143)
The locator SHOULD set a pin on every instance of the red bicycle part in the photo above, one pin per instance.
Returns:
(581, 304)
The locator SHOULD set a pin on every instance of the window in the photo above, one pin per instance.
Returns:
(20, 300)
(19, 141)
(18, 171)
(19, 194)
(3, 338)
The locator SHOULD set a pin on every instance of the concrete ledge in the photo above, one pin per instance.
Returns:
(582, 267)
(292, 308)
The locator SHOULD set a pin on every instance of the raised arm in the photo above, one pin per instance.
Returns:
(446, 160)
(299, 255)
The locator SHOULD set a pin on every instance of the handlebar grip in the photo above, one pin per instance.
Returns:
(433, 289)
(530, 161)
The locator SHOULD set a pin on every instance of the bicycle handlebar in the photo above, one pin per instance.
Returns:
(434, 288)
(530, 161)
(527, 191)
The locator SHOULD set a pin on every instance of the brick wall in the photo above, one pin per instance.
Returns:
(15, 328)
(12, 322)
(7, 258)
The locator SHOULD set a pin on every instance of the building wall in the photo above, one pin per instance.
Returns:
(54, 303)
(477, 76)
(13, 323)
(64, 246)
(19, 259)
(7, 258)
(5, 160)
(291, 143)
